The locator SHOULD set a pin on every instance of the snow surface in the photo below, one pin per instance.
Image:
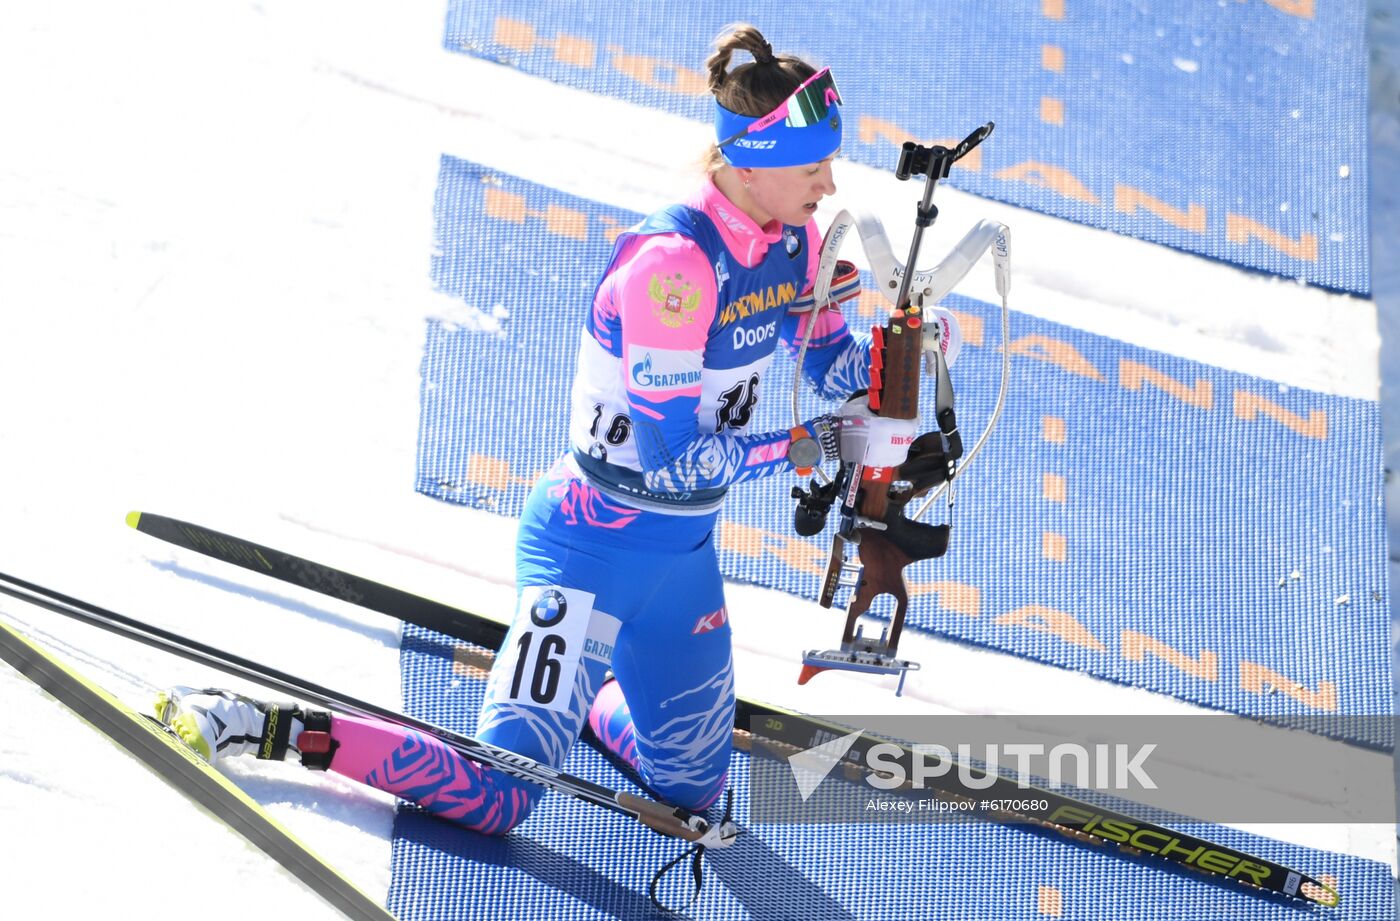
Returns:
(215, 227)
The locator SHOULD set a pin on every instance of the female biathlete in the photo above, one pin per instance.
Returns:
(621, 619)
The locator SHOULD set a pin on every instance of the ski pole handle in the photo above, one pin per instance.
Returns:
(666, 820)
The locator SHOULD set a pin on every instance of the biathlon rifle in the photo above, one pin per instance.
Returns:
(876, 538)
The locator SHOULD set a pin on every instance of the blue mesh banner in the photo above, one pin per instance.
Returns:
(1234, 130)
(569, 860)
(1137, 516)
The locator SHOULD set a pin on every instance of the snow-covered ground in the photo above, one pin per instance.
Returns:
(215, 227)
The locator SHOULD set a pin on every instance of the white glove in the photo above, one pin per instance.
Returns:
(942, 327)
(872, 440)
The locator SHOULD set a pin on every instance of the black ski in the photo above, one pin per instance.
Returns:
(1073, 817)
(183, 770)
(323, 579)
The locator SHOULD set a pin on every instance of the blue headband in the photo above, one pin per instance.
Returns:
(779, 144)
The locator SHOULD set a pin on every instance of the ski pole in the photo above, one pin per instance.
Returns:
(667, 820)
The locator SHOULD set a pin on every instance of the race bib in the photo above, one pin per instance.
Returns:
(545, 646)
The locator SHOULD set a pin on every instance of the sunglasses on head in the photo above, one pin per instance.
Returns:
(809, 104)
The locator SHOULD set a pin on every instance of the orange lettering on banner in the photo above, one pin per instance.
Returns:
(1062, 354)
(1057, 179)
(1054, 488)
(1052, 58)
(1239, 229)
(755, 542)
(1052, 429)
(741, 539)
(870, 130)
(514, 34)
(1052, 9)
(505, 206)
(1054, 546)
(565, 222)
(1257, 679)
(521, 36)
(644, 69)
(1300, 8)
(1047, 620)
(1206, 666)
(1128, 199)
(1052, 110)
(560, 221)
(1132, 375)
(1049, 901)
(611, 228)
(494, 473)
(1249, 405)
(955, 596)
(799, 554)
(569, 49)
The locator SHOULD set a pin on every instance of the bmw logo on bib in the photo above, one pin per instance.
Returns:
(792, 243)
(549, 608)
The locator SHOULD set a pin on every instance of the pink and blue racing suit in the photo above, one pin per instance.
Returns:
(616, 557)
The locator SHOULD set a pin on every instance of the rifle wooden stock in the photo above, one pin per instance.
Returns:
(894, 393)
(898, 396)
(896, 363)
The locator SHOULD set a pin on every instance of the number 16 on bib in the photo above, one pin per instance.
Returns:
(545, 645)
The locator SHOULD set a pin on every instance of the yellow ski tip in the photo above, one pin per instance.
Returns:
(133, 520)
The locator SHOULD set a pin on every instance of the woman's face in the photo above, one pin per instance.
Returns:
(789, 193)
